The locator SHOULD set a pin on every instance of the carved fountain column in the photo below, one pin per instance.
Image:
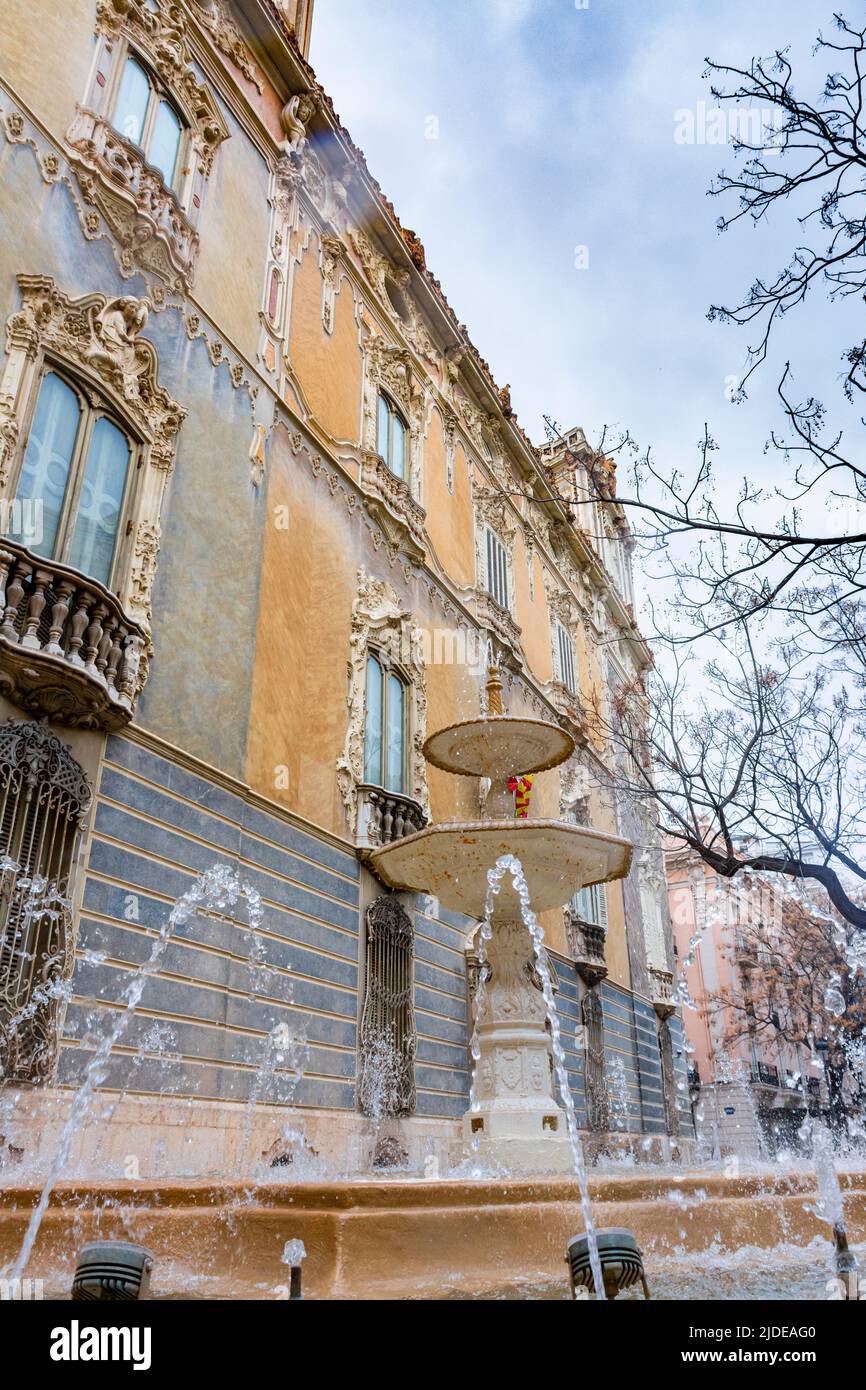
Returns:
(518, 1123)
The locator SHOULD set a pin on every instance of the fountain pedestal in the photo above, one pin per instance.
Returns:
(515, 1121)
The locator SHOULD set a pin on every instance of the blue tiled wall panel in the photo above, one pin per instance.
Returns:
(202, 1024)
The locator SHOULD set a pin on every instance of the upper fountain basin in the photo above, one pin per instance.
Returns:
(499, 746)
(451, 862)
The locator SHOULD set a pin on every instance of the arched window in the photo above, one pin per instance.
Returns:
(391, 436)
(146, 117)
(44, 795)
(77, 465)
(387, 1070)
(385, 740)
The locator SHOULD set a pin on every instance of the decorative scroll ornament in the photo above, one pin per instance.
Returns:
(160, 31)
(153, 223)
(227, 38)
(388, 1038)
(379, 620)
(44, 796)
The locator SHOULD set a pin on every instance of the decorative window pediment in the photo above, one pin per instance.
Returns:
(383, 629)
(495, 532)
(391, 498)
(151, 210)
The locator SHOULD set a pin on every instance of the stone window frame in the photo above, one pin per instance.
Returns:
(380, 623)
(389, 371)
(94, 341)
(155, 223)
(491, 511)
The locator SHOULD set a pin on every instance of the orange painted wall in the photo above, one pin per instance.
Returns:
(327, 365)
(449, 515)
(298, 714)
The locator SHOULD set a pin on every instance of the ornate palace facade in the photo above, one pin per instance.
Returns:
(267, 517)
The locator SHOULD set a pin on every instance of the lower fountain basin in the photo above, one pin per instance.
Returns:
(451, 861)
(438, 1239)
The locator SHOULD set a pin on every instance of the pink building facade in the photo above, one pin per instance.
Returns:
(749, 1094)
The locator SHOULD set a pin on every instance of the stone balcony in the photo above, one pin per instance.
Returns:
(586, 943)
(390, 500)
(67, 649)
(141, 210)
(662, 991)
(383, 817)
(569, 707)
(496, 619)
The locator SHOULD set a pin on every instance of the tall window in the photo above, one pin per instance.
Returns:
(595, 1079)
(564, 654)
(388, 1041)
(77, 465)
(590, 904)
(391, 436)
(385, 727)
(669, 1086)
(497, 568)
(148, 119)
(43, 796)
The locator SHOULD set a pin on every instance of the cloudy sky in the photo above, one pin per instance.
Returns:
(570, 229)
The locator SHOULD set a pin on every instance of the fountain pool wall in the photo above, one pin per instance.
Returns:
(435, 1239)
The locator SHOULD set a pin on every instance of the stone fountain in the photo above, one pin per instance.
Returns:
(514, 1121)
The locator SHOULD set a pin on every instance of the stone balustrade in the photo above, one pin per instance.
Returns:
(390, 500)
(492, 616)
(384, 817)
(67, 649)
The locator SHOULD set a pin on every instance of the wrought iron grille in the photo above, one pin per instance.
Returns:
(597, 1104)
(387, 1080)
(44, 795)
(669, 1086)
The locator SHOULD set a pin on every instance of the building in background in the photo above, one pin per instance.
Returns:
(750, 1082)
(267, 519)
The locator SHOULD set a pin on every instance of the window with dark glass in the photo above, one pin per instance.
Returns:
(565, 657)
(146, 117)
(391, 437)
(385, 727)
(497, 568)
(76, 468)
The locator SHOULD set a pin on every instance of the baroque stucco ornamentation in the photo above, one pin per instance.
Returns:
(99, 337)
(379, 620)
(141, 212)
(294, 119)
(389, 368)
(154, 224)
(213, 16)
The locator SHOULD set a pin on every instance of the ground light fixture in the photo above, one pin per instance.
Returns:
(620, 1258)
(112, 1271)
(294, 1254)
(847, 1269)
